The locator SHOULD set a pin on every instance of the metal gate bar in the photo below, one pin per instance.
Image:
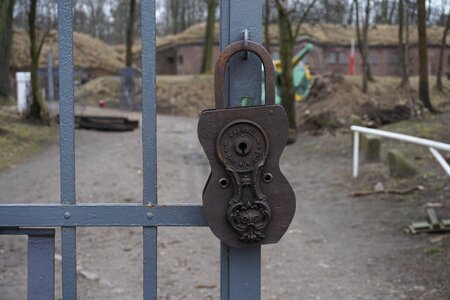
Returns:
(67, 145)
(41, 261)
(100, 215)
(241, 268)
(41, 266)
(149, 153)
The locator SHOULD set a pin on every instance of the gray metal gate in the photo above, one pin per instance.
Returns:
(240, 268)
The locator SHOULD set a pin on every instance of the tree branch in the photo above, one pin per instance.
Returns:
(303, 18)
(42, 41)
(281, 8)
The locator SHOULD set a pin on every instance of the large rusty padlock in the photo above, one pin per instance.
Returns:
(247, 200)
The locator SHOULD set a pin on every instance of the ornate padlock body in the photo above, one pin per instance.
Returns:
(247, 200)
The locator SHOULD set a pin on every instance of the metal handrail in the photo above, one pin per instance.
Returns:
(432, 145)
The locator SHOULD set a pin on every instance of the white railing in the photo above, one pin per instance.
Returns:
(432, 145)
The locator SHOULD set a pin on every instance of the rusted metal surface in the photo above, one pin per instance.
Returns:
(247, 200)
(223, 59)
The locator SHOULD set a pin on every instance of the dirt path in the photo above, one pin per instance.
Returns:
(337, 247)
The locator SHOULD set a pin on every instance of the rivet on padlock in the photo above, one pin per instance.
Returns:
(247, 200)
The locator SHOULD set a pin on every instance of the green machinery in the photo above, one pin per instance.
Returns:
(302, 75)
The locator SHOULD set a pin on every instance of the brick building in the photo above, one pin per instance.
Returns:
(331, 50)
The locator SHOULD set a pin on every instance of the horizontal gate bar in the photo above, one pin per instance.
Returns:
(98, 215)
(27, 231)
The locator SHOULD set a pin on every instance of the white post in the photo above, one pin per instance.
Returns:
(22, 78)
(355, 153)
(402, 137)
(441, 160)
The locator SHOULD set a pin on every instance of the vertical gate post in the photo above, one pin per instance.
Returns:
(241, 268)
(149, 154)
(41, 267)
(67, 146)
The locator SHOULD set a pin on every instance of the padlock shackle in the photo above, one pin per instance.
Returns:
(222, 62)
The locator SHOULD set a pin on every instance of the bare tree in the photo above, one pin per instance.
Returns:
(175, 16)
(439, 85)
(402, 45)
(130, 34)
(429, 10)
(95, 21)
(390, 19)
(6, 33)
(424, 93)
(332, 11)
(118, 19)
(38, 110)
(350, 14)
(363, 44)
(209, 36)
(365, 47)
(288, 16)
(46, 13)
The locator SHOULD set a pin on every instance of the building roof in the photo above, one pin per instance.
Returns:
(89, 52)
(326, 34)
(92, 53)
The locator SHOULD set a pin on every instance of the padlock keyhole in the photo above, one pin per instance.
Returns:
(243, 148)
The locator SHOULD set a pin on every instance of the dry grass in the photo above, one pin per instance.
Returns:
(388, 86)
(380, 35)
(19, 139)
(105, 88)
(185, 95)
(342, 97)
(188, 95)
(89, 53)
(331, 34)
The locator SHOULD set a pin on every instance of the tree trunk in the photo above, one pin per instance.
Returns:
(350, 16)
(183, 15)
(424, 93)
(366, 42)
(327, 11)
(6, 33)
(286, 80)
(402, 46)
(408, 19)
(429, 10)
(174, 7)
(363, 45)
(439, 84)
(391, 14)
(384, 11)
(38, 110)
(130, 34)
(208, 45)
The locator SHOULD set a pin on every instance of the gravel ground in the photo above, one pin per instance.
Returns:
(337, 247)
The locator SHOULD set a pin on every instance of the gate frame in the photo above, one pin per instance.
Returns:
(240, 268)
